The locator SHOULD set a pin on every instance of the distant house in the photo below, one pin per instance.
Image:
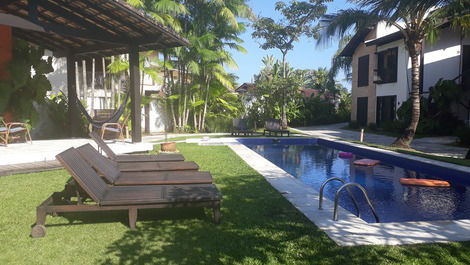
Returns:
(309, 92)
(246, 92)
(381, 76)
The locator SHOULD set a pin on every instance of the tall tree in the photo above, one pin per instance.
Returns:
(194, 76)
(298, 20)
(417, 20)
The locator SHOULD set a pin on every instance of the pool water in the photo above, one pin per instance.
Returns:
(394, 202)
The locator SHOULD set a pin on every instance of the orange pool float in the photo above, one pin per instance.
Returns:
(424, 182)
(366, 162)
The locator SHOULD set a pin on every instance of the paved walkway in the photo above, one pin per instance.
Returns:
(21, 154)
(46, 150)
(432, 145)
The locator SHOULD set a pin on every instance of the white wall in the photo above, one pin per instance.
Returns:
(383, 29)
(402, 87)
(442, 59)
(58, 80)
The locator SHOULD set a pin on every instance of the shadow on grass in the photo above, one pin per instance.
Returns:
(258, 227)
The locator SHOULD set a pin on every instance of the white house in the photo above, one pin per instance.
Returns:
(100, 98)
(381, 70)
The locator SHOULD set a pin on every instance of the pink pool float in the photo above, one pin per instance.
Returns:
(345, 155)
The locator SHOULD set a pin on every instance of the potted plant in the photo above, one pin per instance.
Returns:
(168, 147)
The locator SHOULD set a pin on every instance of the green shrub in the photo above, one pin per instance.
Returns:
(396, 126)
(354, 125)
(463, 134)
(372, 126)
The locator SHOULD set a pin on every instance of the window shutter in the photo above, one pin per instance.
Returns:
(363, 71)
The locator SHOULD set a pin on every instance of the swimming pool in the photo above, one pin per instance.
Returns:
(313, 161)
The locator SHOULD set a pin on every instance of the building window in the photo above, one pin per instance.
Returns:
(387, 65)
(386, 109)
(363, 71)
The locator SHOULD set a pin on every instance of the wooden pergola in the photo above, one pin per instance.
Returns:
(84, 29)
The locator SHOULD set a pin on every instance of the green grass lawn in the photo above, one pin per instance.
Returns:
(258, 227)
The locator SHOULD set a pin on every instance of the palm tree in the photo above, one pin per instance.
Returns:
(417, 20)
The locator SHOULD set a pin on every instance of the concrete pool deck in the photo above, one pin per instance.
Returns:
(46, 150)
(349, 230)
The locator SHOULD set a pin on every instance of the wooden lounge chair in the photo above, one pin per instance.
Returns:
(133, 158)
(274, 126)
(13, 130)
(240, 126)
(113, 176)
(149, 166)
(130, 198)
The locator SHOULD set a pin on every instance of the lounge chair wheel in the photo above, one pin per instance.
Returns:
(38, 231)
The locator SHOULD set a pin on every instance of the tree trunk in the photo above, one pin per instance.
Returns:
(113, 88)
(92, 105)
(85, 88)
(77, 80)
(106, 105)
(284, 103)
(203, 122)
(404, 141)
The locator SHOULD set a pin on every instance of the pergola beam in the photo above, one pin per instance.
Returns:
(134, 86)
(72, 97)
(6, 2)
(64, 13)
(100, 9)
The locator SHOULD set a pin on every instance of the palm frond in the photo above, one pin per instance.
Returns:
(341, 23)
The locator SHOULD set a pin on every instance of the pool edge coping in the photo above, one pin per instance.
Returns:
(350, 230)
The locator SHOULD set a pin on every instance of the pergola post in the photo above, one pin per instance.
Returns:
(72, 96)
(134, 86)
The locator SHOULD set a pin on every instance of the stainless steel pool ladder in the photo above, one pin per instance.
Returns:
(346, 186)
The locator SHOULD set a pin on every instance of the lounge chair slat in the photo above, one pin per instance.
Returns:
(85, 176)
(158, 166)
(165, 177)
(161, 194)
(106, 167)
(112, 174)
(150, 158)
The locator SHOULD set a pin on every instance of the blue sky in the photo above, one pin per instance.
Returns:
(306, 53)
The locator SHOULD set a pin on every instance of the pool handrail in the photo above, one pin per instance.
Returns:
(320, 201)
(346, 186)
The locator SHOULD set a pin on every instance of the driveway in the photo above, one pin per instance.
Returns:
(433, 145)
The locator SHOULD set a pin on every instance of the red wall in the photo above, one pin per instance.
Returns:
(5, 50)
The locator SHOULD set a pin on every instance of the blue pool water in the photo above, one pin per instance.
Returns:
(313, 162)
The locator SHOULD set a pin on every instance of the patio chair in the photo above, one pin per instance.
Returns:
(113, 176)
(133, 158)
(274, 126)
(12, 131)
(116, 128)
(240, 126)
(149, 165)
(130, 198)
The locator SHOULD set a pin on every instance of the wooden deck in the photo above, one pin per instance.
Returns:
(24, 168)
